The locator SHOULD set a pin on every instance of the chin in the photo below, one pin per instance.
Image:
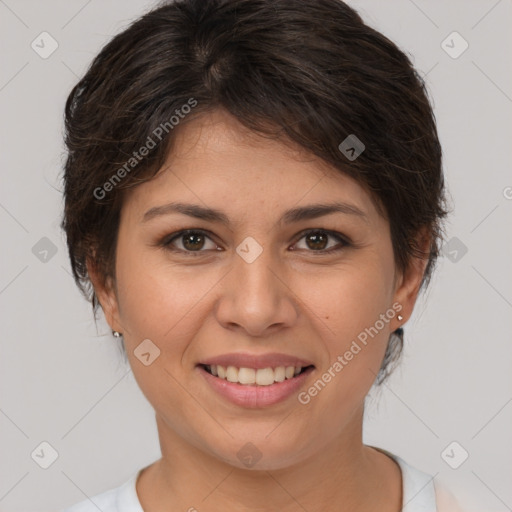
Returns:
(262, 449)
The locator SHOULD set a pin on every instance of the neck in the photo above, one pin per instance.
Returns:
(342, 472)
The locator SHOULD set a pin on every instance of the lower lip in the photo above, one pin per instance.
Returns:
(255, 396)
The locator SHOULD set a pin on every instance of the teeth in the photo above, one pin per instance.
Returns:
(247, 376)
(280, 373)
(265, 377)
(260, 376)
(232, 374)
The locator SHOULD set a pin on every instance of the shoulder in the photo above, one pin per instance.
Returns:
(421, 492)
(105, 501)
(445, 500)
(118, 499)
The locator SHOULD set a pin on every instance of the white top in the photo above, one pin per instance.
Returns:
(420, 494)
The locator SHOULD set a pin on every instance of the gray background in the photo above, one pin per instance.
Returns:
(63, 381)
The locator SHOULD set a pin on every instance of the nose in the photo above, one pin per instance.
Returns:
(256, 297)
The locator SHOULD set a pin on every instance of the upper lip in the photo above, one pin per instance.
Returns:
(241, 360)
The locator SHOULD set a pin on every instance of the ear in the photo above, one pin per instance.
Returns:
(104, 288)
(409, 282)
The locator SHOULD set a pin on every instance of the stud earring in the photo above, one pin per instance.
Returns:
(400, 318)
(116, 334)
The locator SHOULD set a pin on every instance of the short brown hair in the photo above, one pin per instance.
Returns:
(311, 72)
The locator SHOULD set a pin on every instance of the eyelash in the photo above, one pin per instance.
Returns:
(168, 239)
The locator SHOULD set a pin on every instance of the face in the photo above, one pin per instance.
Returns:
(255, 288)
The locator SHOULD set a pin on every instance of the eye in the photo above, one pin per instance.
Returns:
(317, 241)
(190, 240)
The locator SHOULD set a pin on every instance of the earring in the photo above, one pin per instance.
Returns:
(116, 334)
(400, 318)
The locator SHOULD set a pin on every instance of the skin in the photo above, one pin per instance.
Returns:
(290, 301)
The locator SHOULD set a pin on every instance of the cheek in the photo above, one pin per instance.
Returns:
(160, 301)
(350, 299)
(354, 314)
(355, 340)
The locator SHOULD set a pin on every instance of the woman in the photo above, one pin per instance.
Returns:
(254, 196)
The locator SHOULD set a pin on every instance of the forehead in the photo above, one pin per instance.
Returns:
(217, 162)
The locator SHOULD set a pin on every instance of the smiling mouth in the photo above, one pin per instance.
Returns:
(255, 377)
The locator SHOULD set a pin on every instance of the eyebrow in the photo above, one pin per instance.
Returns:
(298, 214)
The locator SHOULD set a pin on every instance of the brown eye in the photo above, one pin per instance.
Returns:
(193, 241)
(318, 241)
(189, 241)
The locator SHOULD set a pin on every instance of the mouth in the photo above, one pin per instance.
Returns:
(259, 382)
(245, 376)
